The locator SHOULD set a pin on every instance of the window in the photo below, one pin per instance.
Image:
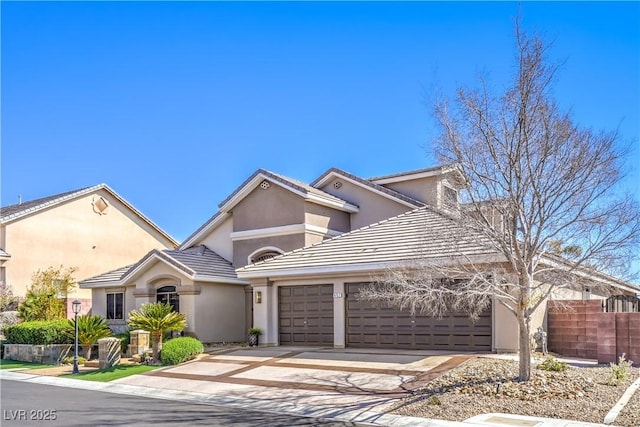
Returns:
(264, 255)
(168, 295)
(115, 303)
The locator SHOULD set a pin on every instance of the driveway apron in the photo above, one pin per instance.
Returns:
(371, 379)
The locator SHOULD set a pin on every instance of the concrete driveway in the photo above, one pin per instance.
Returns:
(319, 379)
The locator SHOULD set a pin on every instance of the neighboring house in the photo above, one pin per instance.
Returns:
(92, 229)
(336, 234)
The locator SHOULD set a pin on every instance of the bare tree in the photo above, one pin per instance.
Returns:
(541, 193)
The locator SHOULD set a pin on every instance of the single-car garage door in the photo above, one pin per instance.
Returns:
(378, 325)
(306, 315)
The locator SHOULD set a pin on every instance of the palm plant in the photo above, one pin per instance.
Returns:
(157, 318)
(90, 330)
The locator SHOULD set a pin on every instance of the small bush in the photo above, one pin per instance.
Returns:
(179, 350)
(39, 333)
(553, 365)
(433, 400)
(69, 360)
(620, 371)
(125, 339)
(255, 331)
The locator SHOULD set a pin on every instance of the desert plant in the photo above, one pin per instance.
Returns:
(125, 339)
(179, 350)
(620, 371)
(157, 318)
(69, 360)
(45, 299)
(553, 365)
(91, 328)
(39, 333)
(8, 302)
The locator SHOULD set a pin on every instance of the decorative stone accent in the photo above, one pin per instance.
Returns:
(138, 342)
(108, 352)
(52, 354)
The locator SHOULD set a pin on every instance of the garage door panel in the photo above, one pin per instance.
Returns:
(380, 325)
(306, 315)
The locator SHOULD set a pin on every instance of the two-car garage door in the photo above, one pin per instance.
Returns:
(378, 325)
(306, 318)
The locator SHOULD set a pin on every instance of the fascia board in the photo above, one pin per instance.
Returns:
(282, 230)
(99, 285)
(218, 279)
(408, 177)
(357, 268)
(334, 174)
(131, 275)
(345, 206)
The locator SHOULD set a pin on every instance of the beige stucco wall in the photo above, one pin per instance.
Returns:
(373, 207)
(272, 207)
(73, 235)
(505, 329)
(218, 240)
(220, 313)
(99, 305)
(422, 189)
(326, 217)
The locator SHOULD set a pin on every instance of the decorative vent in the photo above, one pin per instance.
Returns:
(100, 205)
(265, 184)
(337, 185)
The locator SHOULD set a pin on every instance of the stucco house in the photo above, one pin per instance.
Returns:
(289, 257)
(92, 229)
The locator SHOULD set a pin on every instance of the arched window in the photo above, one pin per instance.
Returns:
(168, 295)
(264, 254)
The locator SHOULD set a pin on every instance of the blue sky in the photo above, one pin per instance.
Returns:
(174, 104)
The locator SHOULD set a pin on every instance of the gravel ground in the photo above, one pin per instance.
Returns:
(485, 385)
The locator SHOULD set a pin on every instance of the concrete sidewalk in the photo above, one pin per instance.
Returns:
(342, 384)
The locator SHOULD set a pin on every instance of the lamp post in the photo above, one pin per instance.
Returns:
(75, 305)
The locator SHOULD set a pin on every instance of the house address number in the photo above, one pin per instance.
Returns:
(337, 294)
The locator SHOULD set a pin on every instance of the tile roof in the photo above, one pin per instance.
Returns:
(372, 185)
(19, 209)
(423, 232)
(109, 277)
(195, 261)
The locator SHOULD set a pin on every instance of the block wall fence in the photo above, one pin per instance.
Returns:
(581, 329)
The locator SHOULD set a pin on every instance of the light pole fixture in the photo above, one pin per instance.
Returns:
(75, 305)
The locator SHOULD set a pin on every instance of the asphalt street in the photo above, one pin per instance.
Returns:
(25, 404)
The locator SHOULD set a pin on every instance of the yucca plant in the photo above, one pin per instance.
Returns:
(157, 318)
(90, 330)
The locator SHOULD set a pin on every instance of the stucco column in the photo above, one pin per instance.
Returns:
(339, 319)
(188, 295)
(265, 300)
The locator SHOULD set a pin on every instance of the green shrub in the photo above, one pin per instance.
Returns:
(180, 350)
(69, 360)
(620, 371)
(125, 339)
(553, 365)
(41, 332)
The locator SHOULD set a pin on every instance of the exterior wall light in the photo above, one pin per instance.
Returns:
(258, 297)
